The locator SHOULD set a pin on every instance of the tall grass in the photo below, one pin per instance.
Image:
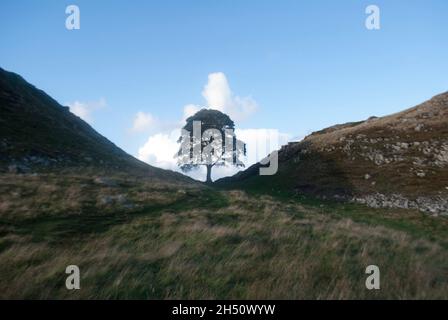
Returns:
(207, 244)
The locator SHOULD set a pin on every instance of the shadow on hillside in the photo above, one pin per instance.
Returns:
(302, 170)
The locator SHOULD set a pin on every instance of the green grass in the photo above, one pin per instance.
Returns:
(205, 243)
(415, 223)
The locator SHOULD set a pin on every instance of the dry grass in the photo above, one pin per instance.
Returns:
(37, 195)
(404, 154)
(231, 246)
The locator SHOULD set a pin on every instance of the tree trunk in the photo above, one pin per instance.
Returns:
(209, 174)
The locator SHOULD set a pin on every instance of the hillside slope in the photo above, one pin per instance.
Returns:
(37, 133)
(399, 160)
(70, 197)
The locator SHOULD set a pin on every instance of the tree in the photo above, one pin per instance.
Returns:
(208, 138)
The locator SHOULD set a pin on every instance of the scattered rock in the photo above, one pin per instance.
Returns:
(105, 181)
(120, 199)
(421, 174)
(18, 168)
(433, 205)
(106, 200)
(419, 127)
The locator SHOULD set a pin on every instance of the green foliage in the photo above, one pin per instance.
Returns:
(214, 144)
(203, 243)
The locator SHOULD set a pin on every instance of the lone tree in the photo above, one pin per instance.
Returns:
(208, 139)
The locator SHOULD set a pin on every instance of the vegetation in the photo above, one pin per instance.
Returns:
(68, 196)
(172, 241)
(403, 154)
(208, 139)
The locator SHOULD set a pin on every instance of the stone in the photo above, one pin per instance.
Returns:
(419, 127)
(105, 181)
(432, 205)
(421, 174)
(18, 168)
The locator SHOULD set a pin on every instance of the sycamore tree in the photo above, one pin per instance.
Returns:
(208, 139)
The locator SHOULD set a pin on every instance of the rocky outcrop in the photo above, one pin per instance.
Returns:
(431, 205)
(397, 161)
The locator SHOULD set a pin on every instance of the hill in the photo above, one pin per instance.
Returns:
(53, 163)
(37, 134)
(68, 197)
(399, 160)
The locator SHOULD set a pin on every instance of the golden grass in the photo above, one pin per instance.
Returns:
(253, 247)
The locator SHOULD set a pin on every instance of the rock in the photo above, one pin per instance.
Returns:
(442, 156)
(120, 199)
(105, 181)
(378, 159)
(18, 168)
(433, 205)
(419, 127)
(421, 174)
(106, 200)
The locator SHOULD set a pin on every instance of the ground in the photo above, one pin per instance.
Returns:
(137, 238)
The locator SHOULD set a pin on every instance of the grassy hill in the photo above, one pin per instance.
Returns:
(399, 160)
(209, 244)
(72, 197)
(37, 134)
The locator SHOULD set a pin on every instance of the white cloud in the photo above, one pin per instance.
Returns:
(84, 110)
(189, 110)
(143, 122)
(160, 148)
(219, 96)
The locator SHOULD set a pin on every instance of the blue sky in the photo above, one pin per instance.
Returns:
(304, 64)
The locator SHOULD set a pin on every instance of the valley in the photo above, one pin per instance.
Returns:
(345, 198)
(207, 243)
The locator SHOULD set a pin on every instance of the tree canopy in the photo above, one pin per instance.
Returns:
(208, 138)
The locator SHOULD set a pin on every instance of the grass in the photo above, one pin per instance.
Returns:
(177, 241)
